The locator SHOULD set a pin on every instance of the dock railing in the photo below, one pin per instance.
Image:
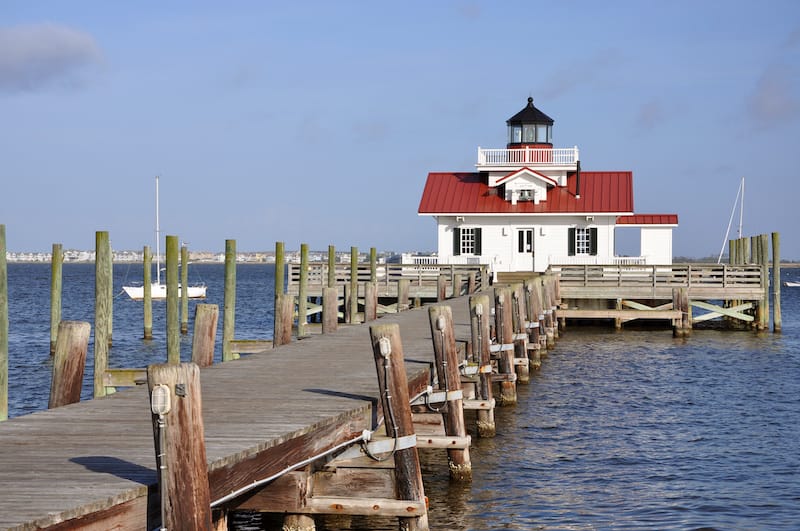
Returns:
(706, 280)
(386, 274)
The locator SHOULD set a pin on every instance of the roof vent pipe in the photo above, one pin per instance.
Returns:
(578, 181)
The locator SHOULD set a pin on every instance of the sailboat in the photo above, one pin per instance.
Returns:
(157, 289)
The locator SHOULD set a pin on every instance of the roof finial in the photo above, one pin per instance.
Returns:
(530, 101)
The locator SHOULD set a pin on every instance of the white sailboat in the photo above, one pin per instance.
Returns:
(157, 289)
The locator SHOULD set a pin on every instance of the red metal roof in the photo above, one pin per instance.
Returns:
(467, 193)
(648, 219)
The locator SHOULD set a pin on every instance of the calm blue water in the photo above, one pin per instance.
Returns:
(633, 430)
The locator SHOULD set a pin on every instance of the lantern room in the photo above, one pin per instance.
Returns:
(530, 127)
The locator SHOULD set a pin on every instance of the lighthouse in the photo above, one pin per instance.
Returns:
(529, 205)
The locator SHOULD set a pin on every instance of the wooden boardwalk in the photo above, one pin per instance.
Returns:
(92, 464)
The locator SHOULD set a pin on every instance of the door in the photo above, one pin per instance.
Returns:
(523, 250)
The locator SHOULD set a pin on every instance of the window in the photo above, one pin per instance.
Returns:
(466, 241)
(543, 132)
(515, 134)
(582, 241)
(529, 133)
(525, 241)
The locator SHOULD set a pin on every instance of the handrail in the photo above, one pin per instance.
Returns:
(528, 155)
(658, 276)
(419, 274)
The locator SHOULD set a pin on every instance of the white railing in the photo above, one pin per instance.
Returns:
(528, 155)
(598, 260)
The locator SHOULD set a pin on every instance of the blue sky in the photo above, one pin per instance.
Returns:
(318, 122)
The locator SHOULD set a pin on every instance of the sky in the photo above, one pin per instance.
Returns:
(318, 122)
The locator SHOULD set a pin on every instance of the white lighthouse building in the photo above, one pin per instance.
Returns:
(530, 205)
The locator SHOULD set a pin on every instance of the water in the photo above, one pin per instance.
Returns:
(623, 431)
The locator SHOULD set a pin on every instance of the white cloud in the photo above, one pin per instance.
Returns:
(36, 56)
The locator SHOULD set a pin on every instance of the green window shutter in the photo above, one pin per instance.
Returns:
(478, 241)
(571, 242)
(593, 242)
(456, 241)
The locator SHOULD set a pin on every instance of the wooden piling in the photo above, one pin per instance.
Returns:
(147, 302)
(370, 301)
(284, 315)
(69, 361)
(330, 310)
(173, 296)
(776, 282)
(353, 319)
(102, 305)
(56, 268)
(110, 294)
(206, 317)
(392, 381)
(479, 308)
(184, 290)
(180, 447)
(229, 302)
(447, 363)
(331, 266)
(534, 347)
(457, 281)
(763, 259)
(505, 332)
(686, 311)
(403, 286)
(471, 283)
(280, 269)
(3, 326)
(302, 294)
(520, 335)
(441, 288)
(373, 264)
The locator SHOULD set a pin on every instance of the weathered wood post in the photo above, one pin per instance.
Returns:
(549, 317)
(330, 310)
(206, 317)
(302, 294)
(370, 301)
(110, 294)
(284, 315)
(173, 295)
(776, 282)
(102, 304)
(686, 311)
(280, 270)
(441, 288)
(373, 264)
(229, 302)
(446, 356)
(184, 290)
(539, 308)
(677, 323)
(479, 307)
(519, 324)
(3, 326)
(763, 259)
(177, 413)
(505, 344)
(69, 362)
(402, 294)
(393, 383)
(471, 283)
(353, 285)
(331, 266)
(532, 315)
(457, 281)
(147, 299)
(56, 268)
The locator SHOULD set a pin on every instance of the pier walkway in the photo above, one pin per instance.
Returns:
(92, 464)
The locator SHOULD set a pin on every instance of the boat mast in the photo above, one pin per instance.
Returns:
(739, 199)
(158, 240)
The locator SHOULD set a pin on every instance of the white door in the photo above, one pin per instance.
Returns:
(523, 250)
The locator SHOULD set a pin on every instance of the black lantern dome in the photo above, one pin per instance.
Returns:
(530, 127)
